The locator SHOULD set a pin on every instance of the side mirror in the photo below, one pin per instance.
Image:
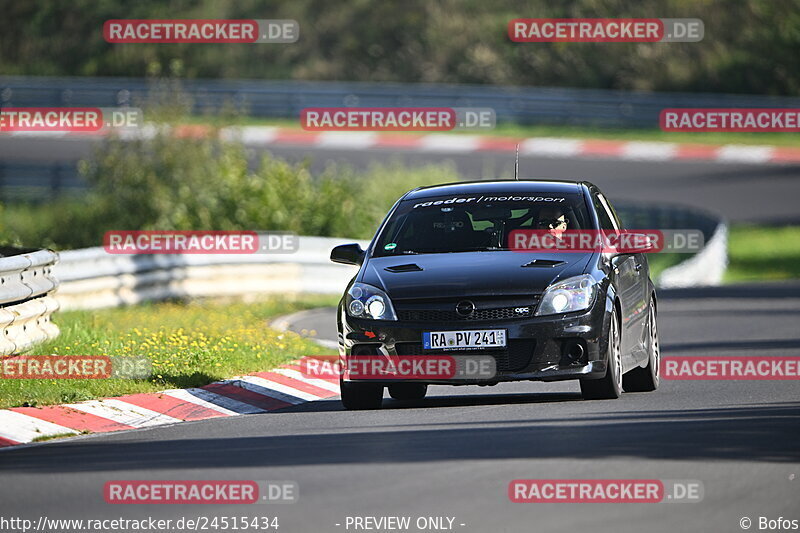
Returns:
(348, 254)
(630, 242)
(642, 243)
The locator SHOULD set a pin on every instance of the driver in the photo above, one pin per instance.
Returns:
(552, 219)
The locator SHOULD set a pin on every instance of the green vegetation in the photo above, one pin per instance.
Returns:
(169, 183)
(189, 345)
(45, 438)
(759, 253)
(750, 46)
(661, 261)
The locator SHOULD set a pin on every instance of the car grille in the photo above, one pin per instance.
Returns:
(513, 358)
(444, 315)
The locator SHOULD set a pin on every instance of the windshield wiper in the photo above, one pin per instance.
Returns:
(483, 249)
(486, 249)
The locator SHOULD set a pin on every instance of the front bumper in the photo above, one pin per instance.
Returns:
(537, 347)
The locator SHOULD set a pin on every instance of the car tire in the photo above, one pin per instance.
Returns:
(360, 396)
(609, 387)
(408, 391)
(647, 379)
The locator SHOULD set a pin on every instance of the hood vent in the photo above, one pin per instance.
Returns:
(411, 267)
(543, 263)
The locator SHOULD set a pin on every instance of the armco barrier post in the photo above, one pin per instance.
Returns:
(26, 299)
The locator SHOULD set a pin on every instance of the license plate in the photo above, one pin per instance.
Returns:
(454, 340)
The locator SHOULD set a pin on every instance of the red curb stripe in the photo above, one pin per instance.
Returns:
(696, 151)
(77, 420)
(786, 155)
(72, 418)
(4, 442)
(295, 137)
(604, 148)
(296, 384)
(590, 147)
(167, 405)
(499, 144)
(246, 396)
(194, 131)
(398, 141)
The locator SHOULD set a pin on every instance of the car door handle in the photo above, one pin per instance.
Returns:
(637, 267)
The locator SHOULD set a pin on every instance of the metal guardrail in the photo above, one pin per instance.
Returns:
(707, 267)
(91, 278)
(266, 98)
(667, 217)
(39, 181)
(26, 301)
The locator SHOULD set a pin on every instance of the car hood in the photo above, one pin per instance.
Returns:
(470, 273)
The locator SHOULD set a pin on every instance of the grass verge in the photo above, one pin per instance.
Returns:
(189, 345)
(45, 438)
(763, 253)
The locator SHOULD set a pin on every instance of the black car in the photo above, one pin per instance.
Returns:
(440, 270)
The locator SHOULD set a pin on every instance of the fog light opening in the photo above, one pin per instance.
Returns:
(364, 349)
(573, 352)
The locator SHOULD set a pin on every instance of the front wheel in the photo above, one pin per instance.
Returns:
(647, 379)
(360, 396)
(609, 387)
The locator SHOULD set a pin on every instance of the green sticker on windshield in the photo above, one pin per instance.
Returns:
(390, 246)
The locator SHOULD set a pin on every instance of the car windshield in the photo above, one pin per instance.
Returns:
(476, 223)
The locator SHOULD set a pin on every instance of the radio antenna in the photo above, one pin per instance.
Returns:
(516, 165)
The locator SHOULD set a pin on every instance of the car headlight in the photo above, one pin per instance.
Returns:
(366, 301)
(572, 294)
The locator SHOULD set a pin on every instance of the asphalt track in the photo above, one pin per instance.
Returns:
(766, 194)
(454, 453)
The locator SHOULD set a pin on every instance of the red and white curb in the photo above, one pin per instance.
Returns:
(537, 146)
(556, 147)
(259, 392)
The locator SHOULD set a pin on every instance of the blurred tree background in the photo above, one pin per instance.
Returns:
(750, 46)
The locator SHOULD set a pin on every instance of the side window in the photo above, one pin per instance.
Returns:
(602, 213)
(611, 210)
